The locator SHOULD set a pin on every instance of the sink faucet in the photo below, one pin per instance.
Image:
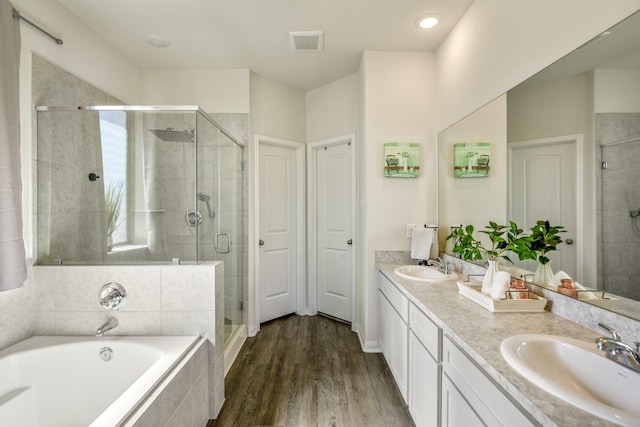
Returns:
(443, 267)
(111, 323)
(618, 351)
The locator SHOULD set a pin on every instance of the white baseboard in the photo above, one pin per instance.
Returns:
(367, 346)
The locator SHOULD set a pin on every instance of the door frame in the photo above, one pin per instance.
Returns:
(578, 140)
(312, 220)
(254, 232)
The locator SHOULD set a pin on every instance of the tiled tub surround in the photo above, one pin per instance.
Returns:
(52, 381)
(161, 300)
(480, 332)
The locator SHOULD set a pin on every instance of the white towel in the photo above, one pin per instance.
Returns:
(421, 241)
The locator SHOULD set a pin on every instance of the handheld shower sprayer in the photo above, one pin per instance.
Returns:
(204, 197)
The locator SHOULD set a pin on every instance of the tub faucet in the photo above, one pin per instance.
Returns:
(111, 323)
(618, 351)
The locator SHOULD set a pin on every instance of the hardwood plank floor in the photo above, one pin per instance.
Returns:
(310, 371)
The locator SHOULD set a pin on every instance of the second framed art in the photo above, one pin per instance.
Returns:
(471, 159)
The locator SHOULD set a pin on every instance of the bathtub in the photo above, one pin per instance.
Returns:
(49, 381)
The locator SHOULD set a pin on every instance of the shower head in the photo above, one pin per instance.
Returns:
(172, 135)
(204, 197)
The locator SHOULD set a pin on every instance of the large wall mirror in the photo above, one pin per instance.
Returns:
(565, 146)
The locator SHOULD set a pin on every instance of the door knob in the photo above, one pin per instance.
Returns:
(349, 242)
(569, 241)
(260, 242)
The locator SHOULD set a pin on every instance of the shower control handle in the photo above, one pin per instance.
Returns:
(569, 241)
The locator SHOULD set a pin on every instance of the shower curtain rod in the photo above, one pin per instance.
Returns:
(17, 14)
(609, 144)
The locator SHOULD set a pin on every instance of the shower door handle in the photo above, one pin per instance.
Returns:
(219, 249)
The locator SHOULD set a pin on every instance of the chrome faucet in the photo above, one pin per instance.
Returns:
(111, 323)
(618, 351)
(443, 267)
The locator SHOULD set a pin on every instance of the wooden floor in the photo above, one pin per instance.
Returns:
(309, 371)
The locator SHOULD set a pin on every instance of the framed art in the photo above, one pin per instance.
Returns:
(471, 159)
(401, 160)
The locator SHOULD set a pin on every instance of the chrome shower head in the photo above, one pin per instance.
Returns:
(172, 135)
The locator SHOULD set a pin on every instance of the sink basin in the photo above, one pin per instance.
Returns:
(423, 273)
(577, 372)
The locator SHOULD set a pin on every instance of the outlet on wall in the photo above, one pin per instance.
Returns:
(410, 228)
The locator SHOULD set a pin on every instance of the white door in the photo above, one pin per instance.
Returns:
(334, 215)
(544, 186)
(277, 201)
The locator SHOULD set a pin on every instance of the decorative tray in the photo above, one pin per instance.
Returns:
(471, 290)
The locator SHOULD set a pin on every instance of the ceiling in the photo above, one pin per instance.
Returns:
(254, 34)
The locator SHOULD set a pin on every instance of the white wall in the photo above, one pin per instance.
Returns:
(276, 110)
(215, 91)
(616, 91)
(398, 91)
(498, 44)
(333, 109)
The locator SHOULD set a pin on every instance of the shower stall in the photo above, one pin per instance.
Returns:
(142, 185)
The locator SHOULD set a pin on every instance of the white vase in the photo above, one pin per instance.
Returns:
(543, 275)
(487, 281)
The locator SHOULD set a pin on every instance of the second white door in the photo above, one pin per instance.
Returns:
(544, 181)
(334, 211)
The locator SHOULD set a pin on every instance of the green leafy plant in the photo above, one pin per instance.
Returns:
(543, 239)
(503, 239)
(112, 201)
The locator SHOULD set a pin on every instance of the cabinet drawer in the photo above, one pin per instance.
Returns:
(395, 297)
(425, 330)
(486, 398)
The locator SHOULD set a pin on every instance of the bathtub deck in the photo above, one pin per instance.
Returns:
(308, 371)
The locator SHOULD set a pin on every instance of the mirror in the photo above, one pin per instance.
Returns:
(588, 105)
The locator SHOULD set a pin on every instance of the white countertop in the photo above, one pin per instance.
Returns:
(480, 332)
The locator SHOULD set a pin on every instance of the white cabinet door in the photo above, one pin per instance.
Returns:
(456, 411)
(488, 402)
(393, 337)
(424, 378)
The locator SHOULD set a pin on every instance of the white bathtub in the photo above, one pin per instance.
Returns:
(48, 381)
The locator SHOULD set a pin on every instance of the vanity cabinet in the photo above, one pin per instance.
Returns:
(424, 369)
(469, 398)
(393, 330)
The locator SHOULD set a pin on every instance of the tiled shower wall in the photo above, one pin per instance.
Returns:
(618, 195)
(161, 300)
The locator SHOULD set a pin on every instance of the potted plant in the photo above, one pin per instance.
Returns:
(503, 238)
(112, 200)
(543, 239)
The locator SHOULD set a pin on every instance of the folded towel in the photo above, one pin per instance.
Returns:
(421, 241)
(500, 284)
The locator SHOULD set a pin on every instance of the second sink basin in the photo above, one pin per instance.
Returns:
(423, 273)
(577, 372)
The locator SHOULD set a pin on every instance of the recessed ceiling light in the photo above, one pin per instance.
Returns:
(428, 21)
(157, 41)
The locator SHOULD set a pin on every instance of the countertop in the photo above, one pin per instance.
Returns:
(480, 332)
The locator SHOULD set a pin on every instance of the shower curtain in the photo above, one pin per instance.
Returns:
(12, 257)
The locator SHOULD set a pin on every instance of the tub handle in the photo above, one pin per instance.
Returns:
(112, 296)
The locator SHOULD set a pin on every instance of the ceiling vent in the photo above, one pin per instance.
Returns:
(306, 41)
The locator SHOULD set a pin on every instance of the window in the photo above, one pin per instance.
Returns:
(113, 133)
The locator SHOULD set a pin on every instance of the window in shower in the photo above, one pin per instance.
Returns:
(113, 135)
